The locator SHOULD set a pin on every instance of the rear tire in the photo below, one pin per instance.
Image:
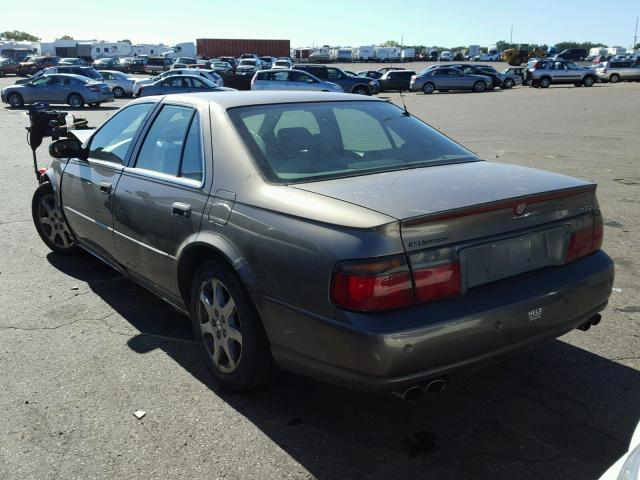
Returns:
(479, 86)
(75, 100)
(15, 100)
(228, 329)
(49, 221)
(428, 88)
(614, 78)
(588, 81)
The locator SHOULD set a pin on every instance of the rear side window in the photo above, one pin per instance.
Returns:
(112, 142)
(172, 145)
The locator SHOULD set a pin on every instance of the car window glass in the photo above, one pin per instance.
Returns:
(197, 83)
(113, 140)
(297, 118)
(162, 146)
(570, 66)
(354, 138)
(333, 74)
(191, 165)
(360, 132)
(280, 76)
(41, 82)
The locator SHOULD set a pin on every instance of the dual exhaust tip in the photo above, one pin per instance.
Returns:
(432, 388)
(439, 384)
(595, 320)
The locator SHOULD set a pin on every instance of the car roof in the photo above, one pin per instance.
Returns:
(246, 98)
(72, 75)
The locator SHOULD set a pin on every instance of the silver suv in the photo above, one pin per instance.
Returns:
(615, 71)
(543, 73)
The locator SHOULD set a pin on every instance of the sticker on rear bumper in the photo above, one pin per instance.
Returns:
(535, 314)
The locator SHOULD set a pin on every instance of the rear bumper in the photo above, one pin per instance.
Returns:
(394, 350)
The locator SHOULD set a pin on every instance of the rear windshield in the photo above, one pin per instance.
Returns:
(155, 61)
(294, 143)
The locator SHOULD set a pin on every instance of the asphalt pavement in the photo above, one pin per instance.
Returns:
(83, 348)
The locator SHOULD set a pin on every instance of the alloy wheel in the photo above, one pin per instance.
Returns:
(53, 224)
(220, 325)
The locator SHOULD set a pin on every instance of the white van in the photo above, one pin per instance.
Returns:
(596, 52)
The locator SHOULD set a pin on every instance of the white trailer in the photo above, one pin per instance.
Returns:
(388, 54)
(341, 54)
(615, 51)
(408, 54)
(597, 51)
(365, 53)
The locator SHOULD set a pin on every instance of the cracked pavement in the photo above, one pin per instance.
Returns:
(83, 348)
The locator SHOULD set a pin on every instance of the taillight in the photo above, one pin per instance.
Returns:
(436, 274)
(586, 237)
(372, 285)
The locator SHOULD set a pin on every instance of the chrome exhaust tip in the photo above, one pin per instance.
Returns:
(411, 393)
(435, 386)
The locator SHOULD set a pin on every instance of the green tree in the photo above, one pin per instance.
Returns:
(126, 40)
(390, 43)
(636, 46)
(18, 35)
(66, 37)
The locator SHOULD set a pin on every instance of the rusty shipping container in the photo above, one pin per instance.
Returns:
(221, 47)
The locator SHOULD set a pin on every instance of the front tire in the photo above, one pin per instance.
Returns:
(588, 81)
(508, 83)
(614, 78)
(360, 90)
(118, 92)
(228, 329)
(75, 100)
(15, 100)
(49, 221)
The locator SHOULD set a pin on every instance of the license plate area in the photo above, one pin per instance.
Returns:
(504, 258)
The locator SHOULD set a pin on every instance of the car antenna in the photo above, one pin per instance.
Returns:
(406, 112)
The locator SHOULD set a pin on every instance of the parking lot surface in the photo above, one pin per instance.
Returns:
(83, 348)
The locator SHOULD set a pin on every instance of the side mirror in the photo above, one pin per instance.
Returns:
(66, 148)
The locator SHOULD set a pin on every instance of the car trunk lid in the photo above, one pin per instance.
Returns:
(479, 221)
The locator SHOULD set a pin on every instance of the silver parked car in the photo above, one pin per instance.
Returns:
(281, 79)
(179, 84)
(615, 71)
(447, 78)
(249, 66)
(544, 73)
(210, 75)
(73, 90)
(282, 63)
(334, 235)
(120, 83)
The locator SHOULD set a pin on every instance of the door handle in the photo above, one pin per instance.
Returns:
(180, 209)
(105, 187)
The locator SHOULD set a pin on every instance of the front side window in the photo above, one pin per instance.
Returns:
(294, 143)
(112, 142)
(168, 149)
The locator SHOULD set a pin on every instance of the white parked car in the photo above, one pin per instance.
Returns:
(628, 466)
(281, 79)
(487, 57)
(198, 72)
(446, 56)
(279, 64)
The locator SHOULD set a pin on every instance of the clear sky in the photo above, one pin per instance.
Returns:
(345, 22)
